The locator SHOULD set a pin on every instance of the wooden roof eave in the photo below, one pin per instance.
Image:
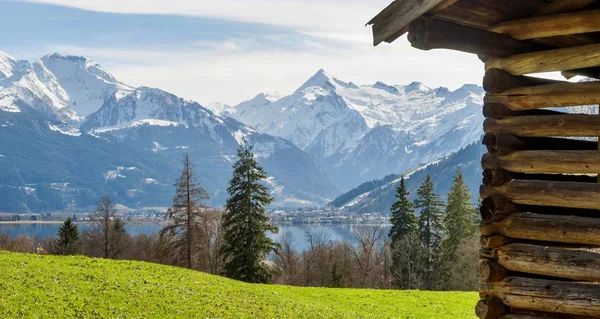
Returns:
(394, 20)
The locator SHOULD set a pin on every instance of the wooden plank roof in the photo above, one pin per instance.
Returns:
(396, 18)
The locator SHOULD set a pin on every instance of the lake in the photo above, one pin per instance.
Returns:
(337, 232)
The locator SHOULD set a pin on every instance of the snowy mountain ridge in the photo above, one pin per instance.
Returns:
(68, 106)
(370, 130)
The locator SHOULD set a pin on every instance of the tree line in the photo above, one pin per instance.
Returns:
(434, 249)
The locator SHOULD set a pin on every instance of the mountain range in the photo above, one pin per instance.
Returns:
(71, 132)
(360, 133)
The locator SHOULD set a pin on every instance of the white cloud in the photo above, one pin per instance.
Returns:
(306, 14)
(236, 69)
(229, 76)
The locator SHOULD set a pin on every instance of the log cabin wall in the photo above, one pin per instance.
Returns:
(540, 227)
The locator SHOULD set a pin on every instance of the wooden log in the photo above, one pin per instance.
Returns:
(497, 177)
(577, 298)
(498, 81)
(572, 125)
(494, 241)
(548, 193)
(496, 208)
(491, 271)
(546, 61)
(548, 228)
(577, 264)
(392, 21)
(506, 143)
(555, 88)
(528, 314)
(430, 33)
(550, 25)
(527, 102)
(561, 6)
(490, 308)
(546, 162)
(500, 111)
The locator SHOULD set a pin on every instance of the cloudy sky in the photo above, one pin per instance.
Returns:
(226, 50)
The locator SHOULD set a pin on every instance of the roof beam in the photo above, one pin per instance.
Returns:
(393, 21)
(560, 6)
(430, 33)
(550, 25)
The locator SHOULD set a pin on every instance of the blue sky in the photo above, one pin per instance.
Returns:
(225, 50)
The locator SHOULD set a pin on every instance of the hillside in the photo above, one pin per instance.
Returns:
(51, 286)
(378, 195)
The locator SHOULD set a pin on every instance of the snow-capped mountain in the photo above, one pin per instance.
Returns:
(360, 133)
(71, 133)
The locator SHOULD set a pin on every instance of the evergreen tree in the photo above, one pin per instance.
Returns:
(68, 239)
(404, 220)
(430, 230)
(459, 221)
(404, 239)
(245, 223)
(185, 216)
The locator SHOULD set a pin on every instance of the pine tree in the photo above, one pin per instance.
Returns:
(68, 239)
(404, 239)
(430, 230)
(245, 224)
(404, 220)
(185, 215)
(459, 220)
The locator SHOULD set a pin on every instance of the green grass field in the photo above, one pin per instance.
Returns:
(35, 286)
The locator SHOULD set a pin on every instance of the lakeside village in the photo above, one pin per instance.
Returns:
(157, 216)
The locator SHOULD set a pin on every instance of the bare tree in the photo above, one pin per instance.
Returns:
(287, 260)
(108, 237)
(366, 251)
(188, 203)
(209, 245)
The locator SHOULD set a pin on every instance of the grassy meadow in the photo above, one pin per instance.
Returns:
(44, 286)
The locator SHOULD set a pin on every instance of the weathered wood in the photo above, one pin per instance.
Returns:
(506, 143)
(578, 298)
(577, 264)
(494, 241)
(548, 193)
(496, 208)
(490, 271)
(550, 25)
(546, 162)
(500, 111)
(526, 102)
(498, 177)
(391, 23)
(560, 6)
(558, 87)
(571, 125)
(429, 33)
(490, 308)
(497, 81)
(547, 61)
(550, 228)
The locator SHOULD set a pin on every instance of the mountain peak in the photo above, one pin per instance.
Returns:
(7, 65)
(325, 80)
(57, 62)
(416, 86)
(388, 88)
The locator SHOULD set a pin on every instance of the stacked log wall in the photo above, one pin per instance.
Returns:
(540, 231)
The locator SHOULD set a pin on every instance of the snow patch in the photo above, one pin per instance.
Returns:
(116, 173)
(66, 130)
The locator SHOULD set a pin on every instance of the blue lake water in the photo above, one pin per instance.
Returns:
(338, 232)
